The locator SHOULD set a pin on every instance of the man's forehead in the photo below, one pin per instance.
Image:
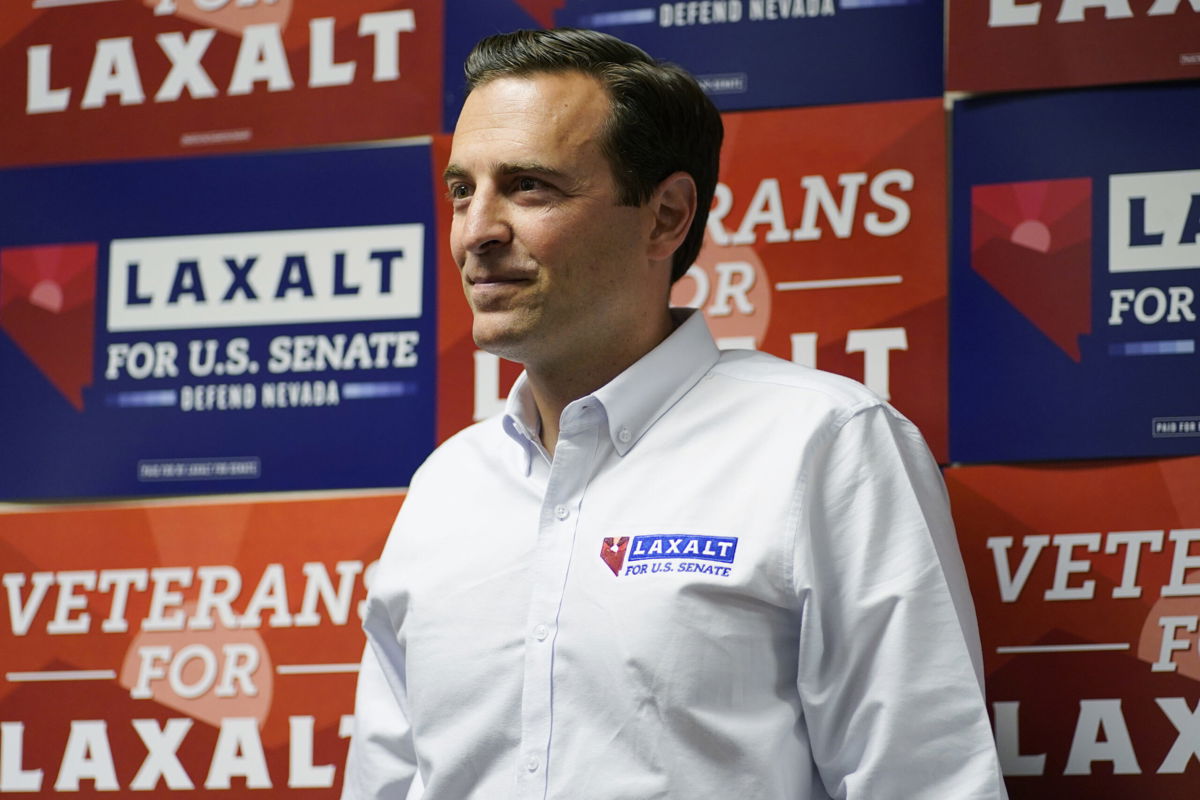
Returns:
(573, 82)
(541, 120)
(547, 101)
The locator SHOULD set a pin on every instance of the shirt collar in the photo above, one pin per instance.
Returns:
(634, 400)
(521, 421)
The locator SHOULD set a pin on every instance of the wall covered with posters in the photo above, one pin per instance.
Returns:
(1074, 250)
(230, 330)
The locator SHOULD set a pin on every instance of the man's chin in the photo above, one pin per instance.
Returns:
(505, 341)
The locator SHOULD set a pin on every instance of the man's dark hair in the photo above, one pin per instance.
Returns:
(661, 121)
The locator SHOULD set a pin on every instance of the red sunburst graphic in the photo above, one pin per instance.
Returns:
(47, 308)
(1032, 242)
(613, 553)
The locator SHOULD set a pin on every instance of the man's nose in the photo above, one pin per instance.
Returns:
(485, 224)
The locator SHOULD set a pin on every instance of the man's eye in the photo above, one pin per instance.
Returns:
(528, 184)
(458, 191)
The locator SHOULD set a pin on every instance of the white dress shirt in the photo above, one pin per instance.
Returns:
(736, 578)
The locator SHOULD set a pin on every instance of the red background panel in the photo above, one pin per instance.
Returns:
(1053, 687)
(1047, 53)
(799, 148)
(364, 109)
(258, 540)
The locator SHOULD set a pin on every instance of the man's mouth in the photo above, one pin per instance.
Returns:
(493, 291)
(496, 278)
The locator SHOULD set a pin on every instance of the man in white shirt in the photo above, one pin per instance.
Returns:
(664, 571)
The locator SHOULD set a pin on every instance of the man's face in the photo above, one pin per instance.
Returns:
(551, 264)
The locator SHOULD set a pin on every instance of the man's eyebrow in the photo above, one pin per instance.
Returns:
(456, 172)
(534, 167)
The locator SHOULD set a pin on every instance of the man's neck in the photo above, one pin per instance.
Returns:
(555, 386)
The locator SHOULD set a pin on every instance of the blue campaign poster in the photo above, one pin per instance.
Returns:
(217, 324)
(1075, 273)
(748, 54)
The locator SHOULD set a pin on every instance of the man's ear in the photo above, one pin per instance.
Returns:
(674, 207)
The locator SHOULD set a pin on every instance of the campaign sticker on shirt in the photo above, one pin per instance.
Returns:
(661, 553)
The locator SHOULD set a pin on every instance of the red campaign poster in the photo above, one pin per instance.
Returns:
(825, 246)
(1005, 45)
(84, 80)
(1086, 579)
(173, 647)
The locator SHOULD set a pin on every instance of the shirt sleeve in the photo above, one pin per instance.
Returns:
(889, 668)
(381, 762)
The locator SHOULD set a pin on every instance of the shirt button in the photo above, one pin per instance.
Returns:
(541, 632)
(624, 435)
(562, 512)
(532, 764)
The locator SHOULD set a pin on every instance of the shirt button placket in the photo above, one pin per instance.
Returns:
(568, 476)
